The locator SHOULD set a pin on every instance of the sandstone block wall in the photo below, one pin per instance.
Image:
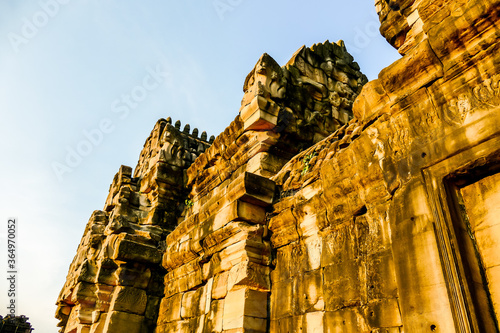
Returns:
(330, 204)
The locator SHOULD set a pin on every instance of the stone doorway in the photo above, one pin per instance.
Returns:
(474, 202)
(464, 193)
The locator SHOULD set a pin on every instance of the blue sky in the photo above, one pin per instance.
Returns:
(90, 78)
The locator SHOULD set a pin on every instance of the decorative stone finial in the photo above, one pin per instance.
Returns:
(204, 136)
(187, 128)
(169, 121)
(195, 133)
(212, 138)
(178, 124)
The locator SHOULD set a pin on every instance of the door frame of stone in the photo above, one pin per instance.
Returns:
(438, 185)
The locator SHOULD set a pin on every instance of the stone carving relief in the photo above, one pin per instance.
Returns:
(379, 151)
(266, 79)
(485, 95)
(172, 147)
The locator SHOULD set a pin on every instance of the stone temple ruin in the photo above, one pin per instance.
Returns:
(329, 204)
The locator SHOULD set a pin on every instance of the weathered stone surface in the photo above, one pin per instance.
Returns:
(328, 205)
(245, 309)
(122, 249)
(123, 322)
(128, 299)
(413, 71)
(371, 102)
